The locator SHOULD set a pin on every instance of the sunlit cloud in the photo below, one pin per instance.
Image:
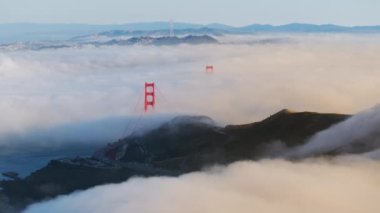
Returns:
(325, 73)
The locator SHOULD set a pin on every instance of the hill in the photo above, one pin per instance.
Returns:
(182, 145)
(165, 40)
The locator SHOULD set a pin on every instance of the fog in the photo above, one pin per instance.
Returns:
(324, 73)
(360, 133)
(89, 96)
(348, 184)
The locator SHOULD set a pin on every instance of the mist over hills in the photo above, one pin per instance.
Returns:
(141, 40)
(181, 145)
(31, 36)
(19, 32)
(191, 143)
(37, 32)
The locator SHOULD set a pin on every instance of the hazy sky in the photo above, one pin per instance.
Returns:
(237, 12)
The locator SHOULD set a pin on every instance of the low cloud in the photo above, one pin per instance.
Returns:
(358, 134)
(341, 185)
(324, 73)
(86, 135)
(50, 89)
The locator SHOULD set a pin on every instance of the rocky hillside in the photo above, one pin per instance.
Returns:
(181, 145)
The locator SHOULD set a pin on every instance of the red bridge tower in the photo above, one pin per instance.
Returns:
(150, 96)
(209, 68)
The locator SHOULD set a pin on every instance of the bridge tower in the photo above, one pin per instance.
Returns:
(150, 96)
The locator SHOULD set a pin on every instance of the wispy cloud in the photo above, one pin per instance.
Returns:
(358, 134)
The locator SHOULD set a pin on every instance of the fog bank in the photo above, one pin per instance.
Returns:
(358, 134)
(324, 73)
(342, 185)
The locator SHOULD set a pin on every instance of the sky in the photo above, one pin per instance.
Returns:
(237, 13)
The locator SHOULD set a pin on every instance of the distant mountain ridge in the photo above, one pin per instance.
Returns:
(32, 32)
(220, 29)
(148, 26)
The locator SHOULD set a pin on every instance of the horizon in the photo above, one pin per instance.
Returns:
(237, 13)
(190, 23)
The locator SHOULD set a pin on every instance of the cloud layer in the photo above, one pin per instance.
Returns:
(326, 73)
(342, 185)
(76, 91)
